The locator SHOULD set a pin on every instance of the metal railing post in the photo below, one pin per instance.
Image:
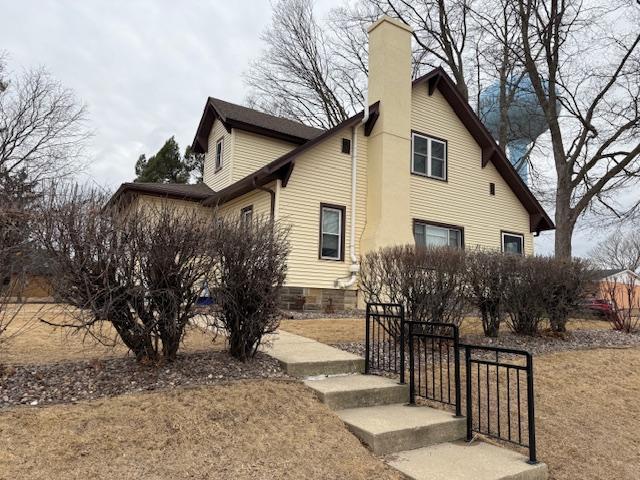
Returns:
(467, 367)
(456, 362)
(412, 382)
(367, 340)
(531, 411)
(402, 341)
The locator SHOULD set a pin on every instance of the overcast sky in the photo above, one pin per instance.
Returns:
(145, 68)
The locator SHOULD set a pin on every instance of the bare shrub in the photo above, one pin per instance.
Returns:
(486, 276)
(524, 287)
(624, 295)
(566, 284)
(250, 271)
(141, 269)
(428, 281)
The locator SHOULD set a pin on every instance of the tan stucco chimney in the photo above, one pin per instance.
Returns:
(389, 146)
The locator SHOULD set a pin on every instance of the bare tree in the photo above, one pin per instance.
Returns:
(42, 127)
(624, 296)
(139, 269)
(620, 250)
(585, 71)
(296, 76)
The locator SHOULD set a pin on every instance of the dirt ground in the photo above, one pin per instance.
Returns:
(245, 430)
(346, 330)
(39, 343)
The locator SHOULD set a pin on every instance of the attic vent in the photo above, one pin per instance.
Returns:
(492, 189)
(346, 145)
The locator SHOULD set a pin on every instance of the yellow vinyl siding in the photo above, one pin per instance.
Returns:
(321, 175)
(260, 200)
(222, 178)
(464, 198)
(252, 152)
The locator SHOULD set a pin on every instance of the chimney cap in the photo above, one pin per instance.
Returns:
(393, 21)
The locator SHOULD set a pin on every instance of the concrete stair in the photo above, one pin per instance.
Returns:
(303, 357)
(355, 391)
(463, 461)
(421, 442)
(391, 428)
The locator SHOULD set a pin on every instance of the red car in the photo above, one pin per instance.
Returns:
(598, 306)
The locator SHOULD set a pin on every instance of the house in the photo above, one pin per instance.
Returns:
(417, 165)
(619, 285)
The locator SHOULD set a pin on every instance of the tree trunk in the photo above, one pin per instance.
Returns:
(565, 217)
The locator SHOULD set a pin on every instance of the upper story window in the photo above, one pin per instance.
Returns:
(428, 156)
(426, 234)
(513, 243)
(219, 150)
(246, 215)
(331, 232)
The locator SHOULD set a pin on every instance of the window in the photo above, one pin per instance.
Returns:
(246, 215)
(512, 243)
(331, 232)
(426, 234)
(429, 157)
(346, 145)
(492, 189)
(219, 154)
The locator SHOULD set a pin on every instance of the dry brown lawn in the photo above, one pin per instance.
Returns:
(588, 414)
(245, 430)
(346, 330)
(40, 343)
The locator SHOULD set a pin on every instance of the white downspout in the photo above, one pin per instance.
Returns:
(354, 268)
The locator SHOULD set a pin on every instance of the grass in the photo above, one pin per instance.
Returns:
(244, 430)
(346, 330)
(588, 413)
(587, 403)
(40, 343)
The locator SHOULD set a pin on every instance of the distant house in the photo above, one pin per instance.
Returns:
(417, 165)
(618, 284)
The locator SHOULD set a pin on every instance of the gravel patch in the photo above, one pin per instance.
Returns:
(69, 382)
(539, 345)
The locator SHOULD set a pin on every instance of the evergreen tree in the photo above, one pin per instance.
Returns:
(166, 166)
(194, 162)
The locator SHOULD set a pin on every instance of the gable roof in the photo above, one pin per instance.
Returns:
(182, 191)
(491, 152)
(250, 120)
(606, 273)
(281, 167)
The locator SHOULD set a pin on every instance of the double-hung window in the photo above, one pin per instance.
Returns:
(331, 232)
(219, 150)
(428, 156)
(246, 215)
(513, 243)
(426, 234)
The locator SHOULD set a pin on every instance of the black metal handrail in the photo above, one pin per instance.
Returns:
(424, 362)
(385, 339)
(493, 360)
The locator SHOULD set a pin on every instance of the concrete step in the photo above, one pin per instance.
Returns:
(462, 461)
(304, 357)
(392, 428)
(354, 391)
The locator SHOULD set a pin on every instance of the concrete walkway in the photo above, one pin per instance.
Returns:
(304, 357)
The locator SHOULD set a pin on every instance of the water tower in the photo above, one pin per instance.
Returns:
(525, 119)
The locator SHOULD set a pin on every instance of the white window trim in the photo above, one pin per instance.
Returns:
(515, 235)
(428, 160)
(215, 155)
(247, 211)
(322, 234)
(448, 229)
